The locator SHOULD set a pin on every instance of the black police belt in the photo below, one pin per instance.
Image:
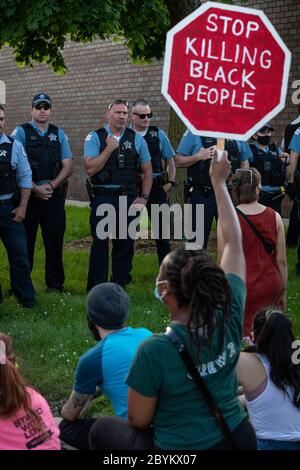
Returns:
(6, 202)
(121, 191)
(205, 187)
(157, 182)
(272, 194)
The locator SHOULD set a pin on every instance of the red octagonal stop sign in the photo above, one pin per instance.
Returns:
(225, 71)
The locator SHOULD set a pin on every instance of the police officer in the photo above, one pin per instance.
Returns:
(15, 173)
(195, 154)
(163, 167)
(50, 158)
(294, 183)
(272, 163)
(292, 233)
(113, 155)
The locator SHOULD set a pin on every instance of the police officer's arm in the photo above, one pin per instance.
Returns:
(245, 164)
(23, 178)
(232, 260)
(94, 164)
(182, 161)
(281, 256)
(294, 157)
(147, 180)
(171, 167)
(63, 175)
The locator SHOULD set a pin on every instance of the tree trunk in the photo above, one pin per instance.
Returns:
(178, 9)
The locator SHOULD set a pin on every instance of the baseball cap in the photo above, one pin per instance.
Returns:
(266, 127)
(41, 98)
(108, 305)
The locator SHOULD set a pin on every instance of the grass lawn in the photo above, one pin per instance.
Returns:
(50, 337)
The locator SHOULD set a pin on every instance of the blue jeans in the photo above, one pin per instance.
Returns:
(270, 444)
(13, 236)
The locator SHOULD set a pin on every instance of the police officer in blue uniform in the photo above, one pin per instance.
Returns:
(163, 167)
(113, 155)
(15, 173)
(272, 163)
(294, 182)
(293, 228)
(195, 154)
(50, 158)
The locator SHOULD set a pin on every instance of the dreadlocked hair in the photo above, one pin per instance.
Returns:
(274, 338)
(13, 393)
(199, 284)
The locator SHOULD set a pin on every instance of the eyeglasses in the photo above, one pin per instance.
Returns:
(118, 102)
(143, 116)
(44, 106)
(244, 170)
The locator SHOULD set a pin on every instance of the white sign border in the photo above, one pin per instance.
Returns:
(167, 65)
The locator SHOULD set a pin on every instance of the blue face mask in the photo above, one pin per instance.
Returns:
(156, 292)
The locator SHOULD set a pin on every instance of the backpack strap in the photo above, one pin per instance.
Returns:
(269, 247)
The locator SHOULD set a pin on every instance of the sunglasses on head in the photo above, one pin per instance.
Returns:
(143, 116)
(44, 106)
(241, 171)
(118, 102)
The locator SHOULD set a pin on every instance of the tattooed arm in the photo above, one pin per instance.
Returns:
(77, 405)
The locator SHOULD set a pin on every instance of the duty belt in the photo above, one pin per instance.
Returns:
(122, 191)
(6, 202)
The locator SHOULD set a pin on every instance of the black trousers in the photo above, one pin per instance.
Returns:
(51, 217)
(76, 433)
(272, 200)
(13, 236)
(293, 229)
(113, 433)
(122, 248)
(163, 246)
(207, 198)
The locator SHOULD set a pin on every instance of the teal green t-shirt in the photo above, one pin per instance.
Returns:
(183, 420)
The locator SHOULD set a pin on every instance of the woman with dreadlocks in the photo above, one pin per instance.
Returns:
(269, 372)
(166, 409)
(26, 422)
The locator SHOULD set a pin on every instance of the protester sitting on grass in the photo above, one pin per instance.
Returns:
(26, 422)
(269, 372)
(166, 409)
(104, 367)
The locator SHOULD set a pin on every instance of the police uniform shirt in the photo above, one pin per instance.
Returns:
(165, 146)
(191, 144)
(19, 162)
(295, 142)
(66, 152)
(266, 149)
(92, 148)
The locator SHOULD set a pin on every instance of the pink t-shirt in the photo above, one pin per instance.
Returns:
(19, 433)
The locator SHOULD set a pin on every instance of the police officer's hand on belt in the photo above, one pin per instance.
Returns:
(44, 191)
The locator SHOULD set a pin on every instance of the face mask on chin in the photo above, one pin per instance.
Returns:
(264, 139)
(156, 292)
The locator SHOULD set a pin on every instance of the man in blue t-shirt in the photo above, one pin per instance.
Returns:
(51, 162)
(118, 164)
(294, 183)
(195, 154)
(103, 368)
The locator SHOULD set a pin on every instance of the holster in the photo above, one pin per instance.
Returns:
(89, 189)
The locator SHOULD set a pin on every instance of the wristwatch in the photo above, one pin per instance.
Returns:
(145, 196)
(172, 183)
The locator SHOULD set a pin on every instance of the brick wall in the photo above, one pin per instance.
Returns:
(101, 71)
